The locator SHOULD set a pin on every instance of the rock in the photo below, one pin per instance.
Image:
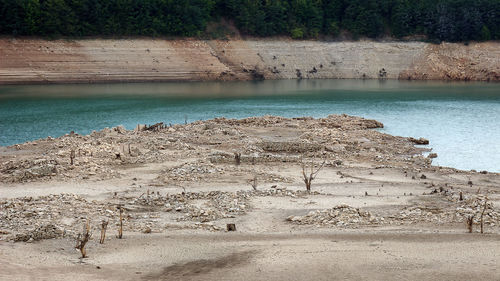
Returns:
(120, 129)
(432, 155)
(421, 141)
(42, 170)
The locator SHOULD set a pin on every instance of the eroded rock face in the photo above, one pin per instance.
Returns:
(41, 61)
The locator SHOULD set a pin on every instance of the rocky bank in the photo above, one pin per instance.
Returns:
(139, 60)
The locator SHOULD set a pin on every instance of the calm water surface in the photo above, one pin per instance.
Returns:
(461, 120)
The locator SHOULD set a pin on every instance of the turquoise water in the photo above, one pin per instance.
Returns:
(461, 120)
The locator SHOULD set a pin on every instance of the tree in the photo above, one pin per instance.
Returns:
(485, 33)
(450, 20)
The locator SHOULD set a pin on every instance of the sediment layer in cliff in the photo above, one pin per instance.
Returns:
(88, 61)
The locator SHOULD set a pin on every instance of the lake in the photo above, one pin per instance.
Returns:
(461, 120)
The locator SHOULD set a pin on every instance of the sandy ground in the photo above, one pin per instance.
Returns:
(266, 246)
(310, 256)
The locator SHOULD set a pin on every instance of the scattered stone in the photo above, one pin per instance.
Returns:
(46, 231)
(341, 216)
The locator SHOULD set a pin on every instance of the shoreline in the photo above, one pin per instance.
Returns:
(37, 61)
(103, 82)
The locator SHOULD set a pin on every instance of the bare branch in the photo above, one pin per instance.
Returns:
(308, 178)
(319, 169)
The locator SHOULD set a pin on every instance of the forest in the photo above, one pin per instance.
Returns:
(434, 20)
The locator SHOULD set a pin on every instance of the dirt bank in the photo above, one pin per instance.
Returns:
(89, 61)
(377, 209)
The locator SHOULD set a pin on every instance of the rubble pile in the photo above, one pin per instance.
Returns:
(263, 121)
(205, 171)
(101, 155)
(291, 147)
(216, 204)
(283, 192)
(341, 215)
(22, 219)
(456, 211)
(45, 231)
(25, 170)
(49, 216)
(347, 123)
(219, 157)
(191, 172)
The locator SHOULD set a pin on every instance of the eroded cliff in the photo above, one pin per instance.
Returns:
(88, 61)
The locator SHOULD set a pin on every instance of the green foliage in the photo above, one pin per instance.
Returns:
(449, 20)
(333, 29)
(297, 33)
(485, 33)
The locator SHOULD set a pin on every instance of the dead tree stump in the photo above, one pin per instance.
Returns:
(237, 158)
(104, 226)
(231, 227)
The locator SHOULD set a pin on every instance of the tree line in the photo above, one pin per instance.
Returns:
(441, 20)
